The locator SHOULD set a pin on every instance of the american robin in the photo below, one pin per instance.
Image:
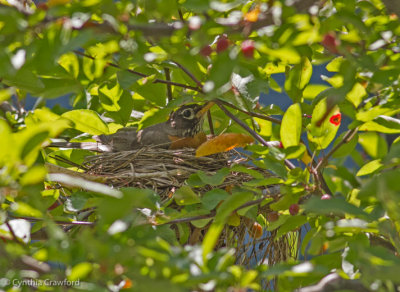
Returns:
(182, 129)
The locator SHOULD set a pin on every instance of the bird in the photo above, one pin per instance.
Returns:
(184, 128)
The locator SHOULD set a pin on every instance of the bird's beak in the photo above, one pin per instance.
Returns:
(204, 109)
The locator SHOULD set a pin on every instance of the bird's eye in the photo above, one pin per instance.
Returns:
(188, 113)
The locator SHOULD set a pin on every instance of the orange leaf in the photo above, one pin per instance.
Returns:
(128, 284)
(252, 16)
(188, 142)
(223, 143)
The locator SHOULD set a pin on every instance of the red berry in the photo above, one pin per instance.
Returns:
(280, 144)
(248, 48)
(331, 43)
(206, 51)
(272, 216)
(222, 44)
(326, 197)
(256, 231)
(42, 6)
(294, 209)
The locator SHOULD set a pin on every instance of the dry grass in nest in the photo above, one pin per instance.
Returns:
(161, 169)
(165, 170)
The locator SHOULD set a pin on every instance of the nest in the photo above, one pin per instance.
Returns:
(161, 169)
(166, 170)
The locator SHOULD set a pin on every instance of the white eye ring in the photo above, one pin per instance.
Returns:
(188, 113)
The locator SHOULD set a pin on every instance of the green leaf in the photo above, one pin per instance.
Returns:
(114, 208)
(295, 152)
(230, 204)
(126, 79)
(322, 130)
(211, 238)
(154, 92)
(334, 205)
(153, 116)
(383, 124)
(243, 169)
(346, 148)
(334, 65)
(186, 196)
(291, 126)
(374, 144)
(291, 224)
(25, 80)
(298, 78)
(370, 167)
(215, 179)
(356, 94)
(225, 209)
(118, 102)
(376, 112)
(221, 70)
(263, 182)
(212, 198)
(6, 93)
(34, 175)
(76, 201)
(33, 142)
(70, 63)
(87, 121)
(287, 55)
(75, 155)
(56, 87)
(312, 90)
(80, 271)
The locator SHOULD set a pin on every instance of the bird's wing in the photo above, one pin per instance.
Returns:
(123, 140)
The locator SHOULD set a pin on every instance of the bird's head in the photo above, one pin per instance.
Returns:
(189, 118)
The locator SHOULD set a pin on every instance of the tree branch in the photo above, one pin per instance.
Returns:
(252, 132)
(168, 78)
(142, 75)
(188, 73)
(213, 213)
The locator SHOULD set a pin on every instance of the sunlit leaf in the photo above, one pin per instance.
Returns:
(370, 167)
(87, 121)
(222, 143)
(291, 126)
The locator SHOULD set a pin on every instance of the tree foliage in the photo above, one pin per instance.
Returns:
(130, 63)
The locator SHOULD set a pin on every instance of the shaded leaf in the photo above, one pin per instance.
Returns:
(186, 196)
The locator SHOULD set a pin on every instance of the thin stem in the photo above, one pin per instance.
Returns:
(346, 138)
(143, 75)
(252, 132)
(252, 114)
(168, 78)
(188, 73)
(213, 213)
(210, 123)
